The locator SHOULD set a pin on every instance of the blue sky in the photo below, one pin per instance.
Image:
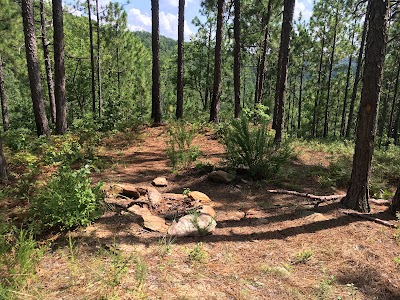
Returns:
(139, 15)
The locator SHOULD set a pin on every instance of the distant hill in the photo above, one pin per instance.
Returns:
(167, 45)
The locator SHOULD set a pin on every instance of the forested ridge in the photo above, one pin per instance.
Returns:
(267, 143)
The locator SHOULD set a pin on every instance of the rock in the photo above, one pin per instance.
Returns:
(142, 190)
(200, 197)
(221, 176)
(174, 197)
(124, 202)
(160, 181)
(206, 209)
(231, 215)
(193, 225)
(126, 189)
(154, 196)
(148, 220)
(316, 217)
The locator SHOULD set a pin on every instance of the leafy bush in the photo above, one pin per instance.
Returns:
(68, 200)
(254, 148)
(180, 151)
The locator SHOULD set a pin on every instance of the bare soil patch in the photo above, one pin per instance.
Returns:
(259, 250)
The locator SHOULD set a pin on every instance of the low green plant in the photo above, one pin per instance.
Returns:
(140, 273)
(198, 254)
(180, 150)
(282, 271)
(19, 256)
(397, 261)
(253, 148)
(68, 200)
(302, 257)
(352, 290)
(165, 244)
(323, 290)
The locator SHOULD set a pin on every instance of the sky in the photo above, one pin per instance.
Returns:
(139, 15)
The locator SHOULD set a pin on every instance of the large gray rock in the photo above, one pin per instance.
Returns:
(221, 176)
(193, 225)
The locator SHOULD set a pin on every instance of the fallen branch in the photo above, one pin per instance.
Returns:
(370, 218)
(307, 195)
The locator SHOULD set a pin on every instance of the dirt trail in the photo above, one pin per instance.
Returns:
(256, 252)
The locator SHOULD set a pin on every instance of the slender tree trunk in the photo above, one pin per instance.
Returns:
(358, 191)
(346, 92)
(3, 98)
(179, 84)
(42, 126)
(59, 69)
(118, 75)
(395, 205)
(3, 165)
(214, 111)
(264, 54)
(300, 93)
(358, 73)
(316, 101)
(207, 92)
(393, 106)
(155, 32)
(382, 120)
(328, 97)
(47, 63)
(394, 129)
(256, 86)
(99, 91)
(337, 110)
(280, 94)
(92, 68)
(236, 64)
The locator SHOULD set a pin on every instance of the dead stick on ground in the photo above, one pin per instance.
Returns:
(307, 195)
(371, 218)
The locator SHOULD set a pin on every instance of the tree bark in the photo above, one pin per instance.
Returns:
(280, 94)
(42, 126)
(237, 59)
(300, 93)
(3, 98)
(395, 132)
(328, 97)
(59, 69)
(395, 205)
(358, 191)
(346, 92)
(390, 126)
(207, 92)
(179, 84)
(155, 32)
(3, 165)
(92, 68)
(215, 103)
(264, 53)
(316, 101)
(47, 63)
(358, 73)
(99, 91)
(382, 120)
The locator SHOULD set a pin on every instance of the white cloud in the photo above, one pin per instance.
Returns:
(175, 3)
(302, 8)
(168, 23)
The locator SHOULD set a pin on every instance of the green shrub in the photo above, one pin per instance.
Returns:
(68, 200)
(180, 150)
(254, 148)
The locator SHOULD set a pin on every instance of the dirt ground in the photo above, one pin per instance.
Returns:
(258, 251)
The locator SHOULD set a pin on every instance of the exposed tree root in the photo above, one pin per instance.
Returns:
(370, 218)
(307, 195)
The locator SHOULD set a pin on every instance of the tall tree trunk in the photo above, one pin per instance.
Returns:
(236, 64)
(118, 75)
(358, 73)
(47, 63)
(337, 110)
(214, 111)
(99, 91)
(382, 120)
(300, 93)
(155, 32)
(92, 68)
(284, 49)
(207, 92)
(390, 125)
(59, 69)
(316, 100)
(332, 59)
(261, 74)
(3, 98)
(346, 91)
(394, 129)
(395, 205)
(3, 165)
(179, 83)
(42, 126)
(358, 191)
